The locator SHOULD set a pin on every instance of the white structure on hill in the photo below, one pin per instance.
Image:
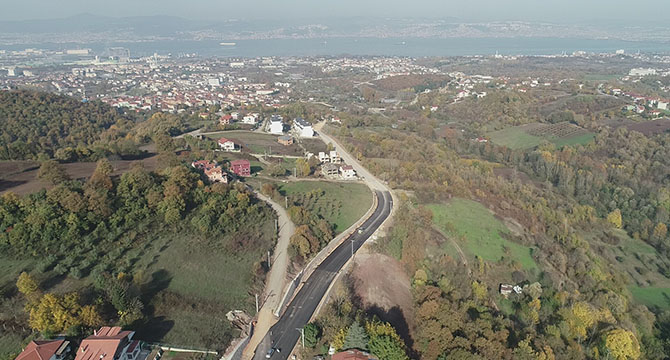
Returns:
(302, 128)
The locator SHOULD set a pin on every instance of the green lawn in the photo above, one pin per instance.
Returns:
(341, 205)
(481, 230)
(575, 140)
(514, 138)
(197, 282)
(517, 137)
(652, 296)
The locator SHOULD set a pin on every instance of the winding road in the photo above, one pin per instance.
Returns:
(284, 334)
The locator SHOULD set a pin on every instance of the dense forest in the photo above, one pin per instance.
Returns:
(36, 125)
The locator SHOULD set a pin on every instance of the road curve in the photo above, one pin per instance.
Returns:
(284, 334)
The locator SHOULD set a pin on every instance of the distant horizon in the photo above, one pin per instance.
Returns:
(593, 21)
(553, 11)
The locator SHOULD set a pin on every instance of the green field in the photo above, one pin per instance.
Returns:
(575, 140)
(652, 296)
(194, 288)
(514, 138)
(481, 230)
(531, 135)
(341, 205)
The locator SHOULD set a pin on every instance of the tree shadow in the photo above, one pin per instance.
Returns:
(160, 280)
(8, 184)
(155, 329)
(396, 318)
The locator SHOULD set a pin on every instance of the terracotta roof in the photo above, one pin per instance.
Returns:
(240, 162)
(224, 140)
(104, 344)
(352, 354)
(40, 350)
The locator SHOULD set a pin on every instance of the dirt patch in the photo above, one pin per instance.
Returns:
(649, 128)
(383, 288)
(22, 182)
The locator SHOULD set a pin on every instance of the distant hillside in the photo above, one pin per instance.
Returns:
(33, 123)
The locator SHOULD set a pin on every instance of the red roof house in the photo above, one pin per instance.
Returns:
(45, 350)
(109, 343)
(241, 167)
(352, 354)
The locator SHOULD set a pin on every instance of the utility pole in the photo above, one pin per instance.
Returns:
(286, 201)
(294, 173)
(269, 264)
(352, 247)
(302, 335)
(256, 303)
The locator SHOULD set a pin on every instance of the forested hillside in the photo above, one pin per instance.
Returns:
(36, 124)
(545, 218)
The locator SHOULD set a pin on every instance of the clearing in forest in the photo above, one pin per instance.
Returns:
(482, 232)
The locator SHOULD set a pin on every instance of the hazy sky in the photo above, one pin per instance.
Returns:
(486, 10)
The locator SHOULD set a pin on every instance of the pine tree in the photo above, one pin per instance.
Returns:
(356, 338)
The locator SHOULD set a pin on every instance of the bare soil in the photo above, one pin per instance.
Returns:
(20, 177)
(653, 127)
(383, 288)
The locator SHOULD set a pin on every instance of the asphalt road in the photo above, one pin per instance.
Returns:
(284, 334)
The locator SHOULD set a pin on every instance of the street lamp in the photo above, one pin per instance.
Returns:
(302, 335)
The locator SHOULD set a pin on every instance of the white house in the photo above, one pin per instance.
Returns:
(662, 105)
(348, 172)
(109, 343)
(302, 128)
(226, 145)
(323, 157)
(250, 119)
(276, 125)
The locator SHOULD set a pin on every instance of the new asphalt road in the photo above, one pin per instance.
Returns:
(284, 334)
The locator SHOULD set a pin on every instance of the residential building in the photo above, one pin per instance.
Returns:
(109, 343)
(505, 289)
(241, 167)
(226, 145)
(329, 170)
(285, 140)
(302, 128)
(45, 350)
(250, 119)
(323, 157)
(348, 172)
(352, 354)
(335, 157)
(662, 105)
(213, 172)
(226, 119)
(216, 174)
(276, 125)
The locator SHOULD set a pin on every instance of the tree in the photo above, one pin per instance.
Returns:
(356, 338)
(302, 167)
(53, 172)
(312, 334)
(90, 316)
(384, 341)
(164, 143)
(28, 287)
(621, 344)
(54, 313)
(101, 178)
(614, 218)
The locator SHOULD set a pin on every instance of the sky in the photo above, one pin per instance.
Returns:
(559, 11)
